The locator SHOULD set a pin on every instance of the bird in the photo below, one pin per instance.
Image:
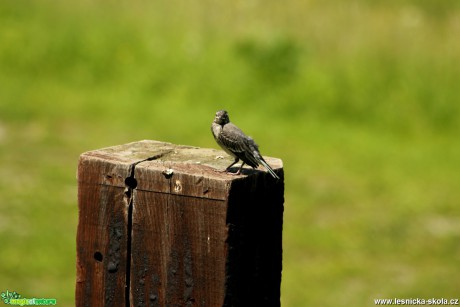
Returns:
(237, 144)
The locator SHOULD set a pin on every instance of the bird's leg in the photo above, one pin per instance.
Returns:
(228, 167)
(239, 171)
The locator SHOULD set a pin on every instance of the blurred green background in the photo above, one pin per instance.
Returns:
(359, 98)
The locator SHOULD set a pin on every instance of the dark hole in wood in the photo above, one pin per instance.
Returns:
(131, 182)
(98, 256)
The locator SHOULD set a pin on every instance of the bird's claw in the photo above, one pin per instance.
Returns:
(226, 171)
(231, 173)
(234, 174)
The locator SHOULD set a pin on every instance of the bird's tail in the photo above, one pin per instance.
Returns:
(258, 159)
(269, 169)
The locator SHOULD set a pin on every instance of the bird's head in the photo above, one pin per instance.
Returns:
(221, 117)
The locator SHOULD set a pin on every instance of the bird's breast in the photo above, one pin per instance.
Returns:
(216, 130)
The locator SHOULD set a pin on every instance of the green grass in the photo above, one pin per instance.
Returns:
(360, 100)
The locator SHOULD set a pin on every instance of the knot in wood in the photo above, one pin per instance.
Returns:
(177, 186)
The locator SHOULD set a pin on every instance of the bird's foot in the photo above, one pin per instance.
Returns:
(234, 174)
(227, 171)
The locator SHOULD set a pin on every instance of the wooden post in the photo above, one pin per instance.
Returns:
(159, 226)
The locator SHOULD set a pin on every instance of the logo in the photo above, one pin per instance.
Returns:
(14, 298)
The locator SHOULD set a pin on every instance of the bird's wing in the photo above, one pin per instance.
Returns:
(239, 144)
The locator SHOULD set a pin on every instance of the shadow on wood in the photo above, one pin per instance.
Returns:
(159, 226)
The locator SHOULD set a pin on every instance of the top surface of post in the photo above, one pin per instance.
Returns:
(167, 160)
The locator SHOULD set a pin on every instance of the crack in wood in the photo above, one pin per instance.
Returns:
(131, 184)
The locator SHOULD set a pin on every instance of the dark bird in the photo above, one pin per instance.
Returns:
(237, 144)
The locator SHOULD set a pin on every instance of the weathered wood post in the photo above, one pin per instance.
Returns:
(158, 226)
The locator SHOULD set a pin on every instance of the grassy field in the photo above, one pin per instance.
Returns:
(359, 98)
